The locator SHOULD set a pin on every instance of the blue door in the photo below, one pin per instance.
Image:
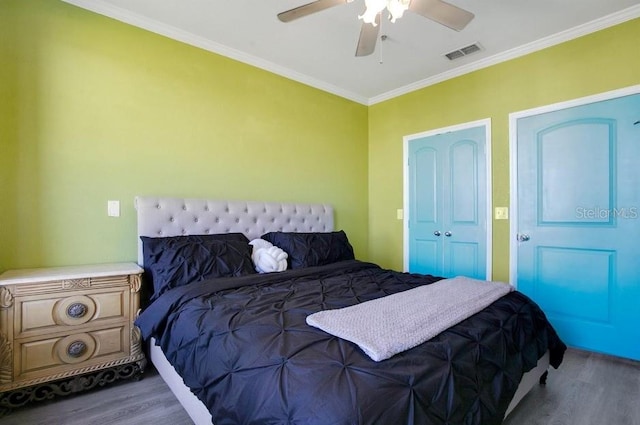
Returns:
(578, 189)
(447, 191)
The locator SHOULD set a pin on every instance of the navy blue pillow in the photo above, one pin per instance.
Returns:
(180, 260)
(312, 249)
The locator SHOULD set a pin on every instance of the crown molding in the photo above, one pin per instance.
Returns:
(174, 33)
(624, 15)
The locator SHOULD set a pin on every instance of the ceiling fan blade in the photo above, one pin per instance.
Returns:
(368, 38)
(308, 9)
(442, 12)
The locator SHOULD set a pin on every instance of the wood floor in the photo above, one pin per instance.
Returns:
(587, 389)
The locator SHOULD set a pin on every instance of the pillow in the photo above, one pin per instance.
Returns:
(180, 260)
(312, 249)
(150, 246)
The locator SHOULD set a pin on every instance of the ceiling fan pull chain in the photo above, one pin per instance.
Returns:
(382, 39)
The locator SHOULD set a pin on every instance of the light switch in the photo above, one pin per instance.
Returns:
(501, 213)
(400, 214)
(113, 208)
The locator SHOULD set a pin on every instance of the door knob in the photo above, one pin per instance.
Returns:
(447, 234)
(437, 233)
(523, 237)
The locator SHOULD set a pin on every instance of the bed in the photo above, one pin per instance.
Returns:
(238, 349)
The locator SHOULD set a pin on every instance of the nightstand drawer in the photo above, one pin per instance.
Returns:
(57, 355)
(53, 313)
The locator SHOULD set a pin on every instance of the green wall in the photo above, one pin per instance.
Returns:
(8, 133)
(92, 109)
(596, 63)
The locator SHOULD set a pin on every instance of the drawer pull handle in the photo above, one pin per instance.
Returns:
(76, 310)
(76, 349)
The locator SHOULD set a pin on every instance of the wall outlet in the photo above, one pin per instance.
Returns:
(113, 208)
(501, 213)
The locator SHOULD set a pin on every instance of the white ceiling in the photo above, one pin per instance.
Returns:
(319, 49)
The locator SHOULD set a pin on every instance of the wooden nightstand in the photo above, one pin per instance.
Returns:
(67, 329)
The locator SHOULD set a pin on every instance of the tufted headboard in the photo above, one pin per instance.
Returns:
(161, 217)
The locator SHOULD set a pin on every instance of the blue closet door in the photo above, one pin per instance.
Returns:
(578, 222)
(448, 204)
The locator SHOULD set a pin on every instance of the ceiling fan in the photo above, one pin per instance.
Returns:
(437, 10)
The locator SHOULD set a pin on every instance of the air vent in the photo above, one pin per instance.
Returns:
(463, 51)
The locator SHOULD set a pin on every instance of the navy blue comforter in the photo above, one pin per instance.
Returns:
(243, 347)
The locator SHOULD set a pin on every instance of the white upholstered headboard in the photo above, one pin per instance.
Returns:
(161, 217)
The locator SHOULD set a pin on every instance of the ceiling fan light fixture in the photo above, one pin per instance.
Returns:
(395, 8)
(372, 8)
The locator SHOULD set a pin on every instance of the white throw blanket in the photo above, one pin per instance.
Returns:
(389, 325)
(268, 258)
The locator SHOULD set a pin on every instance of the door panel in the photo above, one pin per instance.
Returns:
(464, 182)
(591, 276)
(447, 204)
(464, 259)
(578, 203)
(563, 154)
(429, 253)
(425, 192)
